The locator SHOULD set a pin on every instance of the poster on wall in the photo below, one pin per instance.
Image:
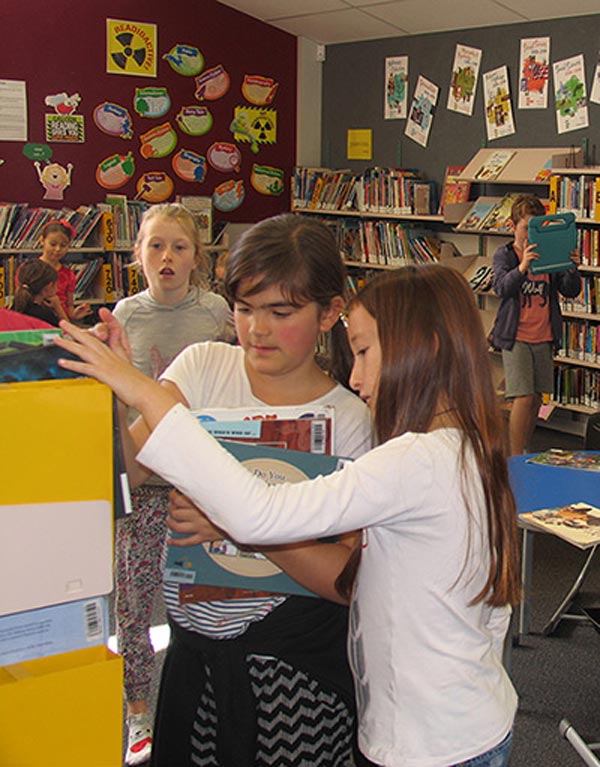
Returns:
(131, 48)
(63, 125)
(396, 88)
(534, 73)
(13, 110)
(595, 89)
(359, 144)
(463, 83)
(498, 110)
(422, 110)
(570, 94)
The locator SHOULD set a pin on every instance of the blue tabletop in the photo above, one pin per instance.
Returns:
(538, 486)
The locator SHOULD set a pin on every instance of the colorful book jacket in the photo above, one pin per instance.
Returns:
(578, 523)
(570, 459)
(224, 564)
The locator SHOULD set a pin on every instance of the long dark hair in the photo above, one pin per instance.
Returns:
(433, 351)
(32, 277)
(300, 256)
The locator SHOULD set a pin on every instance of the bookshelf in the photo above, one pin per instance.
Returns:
(576, 189)
(100, 254)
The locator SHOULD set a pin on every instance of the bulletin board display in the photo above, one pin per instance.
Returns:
(149, 101)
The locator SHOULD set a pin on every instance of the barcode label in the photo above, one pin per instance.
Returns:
(318, 437)
(94, 627)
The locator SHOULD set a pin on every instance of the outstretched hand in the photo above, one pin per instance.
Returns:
(108, 362)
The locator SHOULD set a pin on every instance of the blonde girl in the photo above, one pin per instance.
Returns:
(172, 313)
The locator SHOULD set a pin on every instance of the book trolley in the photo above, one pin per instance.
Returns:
(57, 458)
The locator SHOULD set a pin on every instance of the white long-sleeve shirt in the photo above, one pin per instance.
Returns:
(430, 685)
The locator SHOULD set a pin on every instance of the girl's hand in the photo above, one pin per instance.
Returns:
(186, 519)
(576, 257)
(80, 311)
(109, 366)
(110, 330)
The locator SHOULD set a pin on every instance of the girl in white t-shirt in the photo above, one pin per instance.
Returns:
(264, 679)
(439, 565)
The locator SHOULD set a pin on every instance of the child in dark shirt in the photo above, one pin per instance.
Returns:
(529, 322)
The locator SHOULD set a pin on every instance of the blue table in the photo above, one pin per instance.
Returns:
(538, 486)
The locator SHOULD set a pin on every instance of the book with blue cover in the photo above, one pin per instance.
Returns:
(225, 564)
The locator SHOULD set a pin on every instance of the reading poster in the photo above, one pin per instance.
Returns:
(570, 94)
(423, 105)
(498, 110)
(534, 72)
(463, 83)
(396, 88)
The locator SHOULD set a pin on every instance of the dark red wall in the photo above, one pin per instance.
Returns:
(61, 46)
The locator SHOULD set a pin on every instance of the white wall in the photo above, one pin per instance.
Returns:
(310, 85)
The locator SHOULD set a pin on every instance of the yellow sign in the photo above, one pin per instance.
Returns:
(360, 144)
(130, 48)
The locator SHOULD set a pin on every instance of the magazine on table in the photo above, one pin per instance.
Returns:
(577, 523)
(571, 459)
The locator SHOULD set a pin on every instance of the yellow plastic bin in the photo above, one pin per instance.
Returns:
(63, 711)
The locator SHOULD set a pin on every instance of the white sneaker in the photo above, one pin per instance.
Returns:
(139, 740)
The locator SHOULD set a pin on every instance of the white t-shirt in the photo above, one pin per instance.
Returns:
(214, 375)
(430, 685)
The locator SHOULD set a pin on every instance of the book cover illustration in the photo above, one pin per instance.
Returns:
(223, 563)
(570, 459)
(454, 190)
(498, 219)
(494, 165)
(577, 523)
(37, 363)
(477, 214)
(570, 94)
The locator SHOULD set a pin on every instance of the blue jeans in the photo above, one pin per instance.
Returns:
(495, 757)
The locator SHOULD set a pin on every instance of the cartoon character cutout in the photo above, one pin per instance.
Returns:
(54, 178)
(62, 103)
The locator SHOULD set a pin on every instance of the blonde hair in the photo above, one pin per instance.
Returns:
(174, 211)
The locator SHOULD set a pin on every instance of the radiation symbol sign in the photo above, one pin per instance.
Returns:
(130, 48)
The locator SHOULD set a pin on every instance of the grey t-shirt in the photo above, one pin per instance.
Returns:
(157, 333)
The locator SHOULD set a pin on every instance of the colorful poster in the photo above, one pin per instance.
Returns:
(66, 129)
(396, 88)
(534, 73)
(463, 83)
(498, 110)
(422, 110)
(570, 94)
(595, 89)
(131, 48)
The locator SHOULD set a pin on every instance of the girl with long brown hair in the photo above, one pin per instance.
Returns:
(439, 567)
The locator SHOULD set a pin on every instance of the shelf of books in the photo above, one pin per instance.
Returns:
(100, 252)
(576, 190)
